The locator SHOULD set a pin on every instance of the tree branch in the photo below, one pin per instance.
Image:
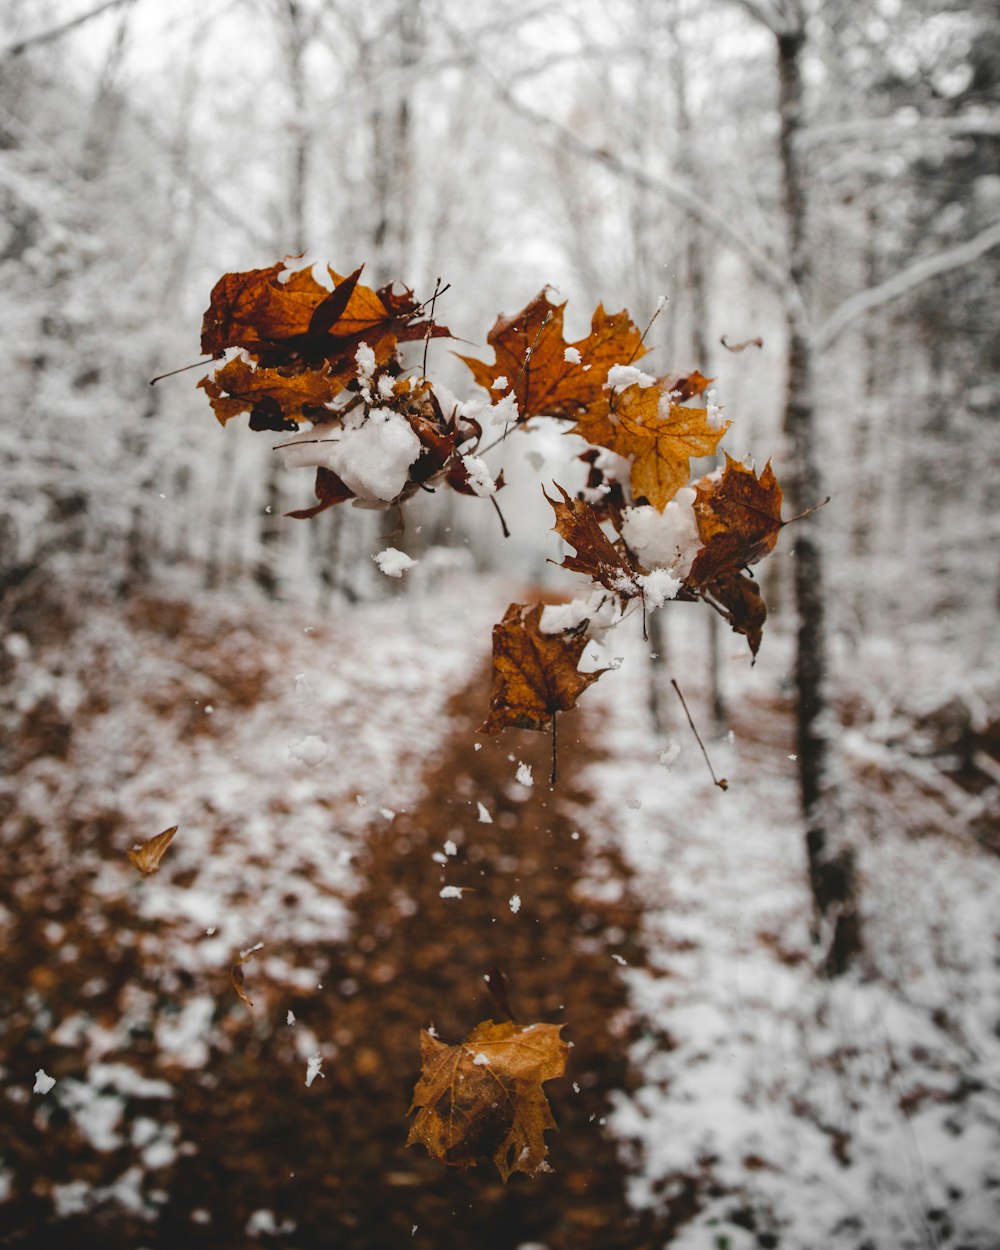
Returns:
(891, 130)
(56, 32)
(914, 275)
(769, 271)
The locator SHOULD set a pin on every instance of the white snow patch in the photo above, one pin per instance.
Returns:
(664, 540)
(484, 817)
(622, 376)
(524, 774)
(515, 903)
(314, 1068)
(572, 356)
(393, 563)
(310, 750)
(43, 1082)
(450, 891)
(479, 476)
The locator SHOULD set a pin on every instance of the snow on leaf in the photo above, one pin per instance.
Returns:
(470, 1112)
(314, 1068)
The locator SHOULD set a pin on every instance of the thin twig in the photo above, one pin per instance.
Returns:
(198, 364)
(503, 523)
(430, 325)
(722, 783)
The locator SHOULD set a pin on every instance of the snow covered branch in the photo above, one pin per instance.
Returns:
(683, 197)
(895, 130)
(922, 270)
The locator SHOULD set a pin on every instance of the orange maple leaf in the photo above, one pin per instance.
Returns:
(551, 377)
(482, 1099)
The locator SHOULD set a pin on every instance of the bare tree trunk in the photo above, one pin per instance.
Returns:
(832, 873)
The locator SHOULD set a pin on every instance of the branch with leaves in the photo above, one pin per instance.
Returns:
(321, 362)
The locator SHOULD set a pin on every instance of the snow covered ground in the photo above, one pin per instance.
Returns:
(859, 1113)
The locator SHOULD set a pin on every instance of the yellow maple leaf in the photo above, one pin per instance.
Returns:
(659, 437)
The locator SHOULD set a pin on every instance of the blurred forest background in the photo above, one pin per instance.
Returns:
(822, 177)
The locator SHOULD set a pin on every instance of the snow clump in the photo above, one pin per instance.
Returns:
(667, 539)
(515, 903)
(479, 476)
(571, 356)
(450, 891)
(524, 774)
(393, 563)
(622, 376)
(310, 750)
(484, 817)
(43, 1082)
(314, 1068)
(373, 458)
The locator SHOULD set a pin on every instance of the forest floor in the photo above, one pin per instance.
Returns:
(717, 1094)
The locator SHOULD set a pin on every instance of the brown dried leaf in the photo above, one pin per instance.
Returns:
(236, 972)
(530, 352)
(483, 1099)
(146, 858)
(596, 556)
(739, 599)
(239, 387)
(534, 674)
(329, 489)
(739, 517)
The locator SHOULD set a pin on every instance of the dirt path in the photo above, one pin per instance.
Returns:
(328, 1164)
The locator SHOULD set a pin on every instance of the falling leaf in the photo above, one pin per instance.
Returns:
(239, 982)
(146, 858)
(739, 517)
(531, 352)
(741, 347)
(596, 556)
(660, 437)
(534, 674)
(482, 1099)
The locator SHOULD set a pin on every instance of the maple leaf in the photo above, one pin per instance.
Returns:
(551, 377)
(146, 858)
(534, 674)
(739, 517)
(482, 1099)
(660, 437)
(256, 311)
(596, 555)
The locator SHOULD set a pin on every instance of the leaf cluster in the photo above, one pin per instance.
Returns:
(324, 364)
